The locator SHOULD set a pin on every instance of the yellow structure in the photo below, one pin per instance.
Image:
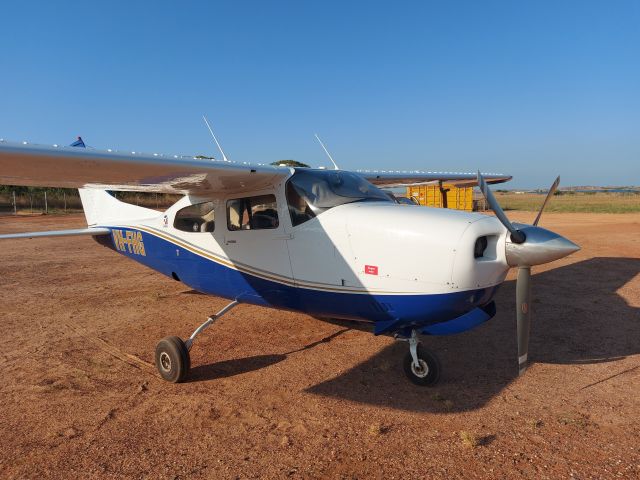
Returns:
(445, 196)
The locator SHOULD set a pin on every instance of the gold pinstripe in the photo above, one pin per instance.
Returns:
(257, 273)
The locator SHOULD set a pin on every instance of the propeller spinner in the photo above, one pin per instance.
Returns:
(529, 245)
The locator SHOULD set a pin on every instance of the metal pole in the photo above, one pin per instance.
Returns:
(46, 205)
(15, 208)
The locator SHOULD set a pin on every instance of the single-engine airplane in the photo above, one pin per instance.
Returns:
(328, 243)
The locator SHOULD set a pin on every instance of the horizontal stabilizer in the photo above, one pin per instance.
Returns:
(58, 233)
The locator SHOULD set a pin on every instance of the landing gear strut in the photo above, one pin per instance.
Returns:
(172, 354)
(421, 366)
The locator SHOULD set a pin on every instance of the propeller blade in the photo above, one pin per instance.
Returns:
(523, 315)
(516, 235)
(552, 190)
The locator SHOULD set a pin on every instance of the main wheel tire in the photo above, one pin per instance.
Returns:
(429, 372)
(172, 359)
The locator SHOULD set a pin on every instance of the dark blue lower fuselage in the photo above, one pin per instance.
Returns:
(389, 312)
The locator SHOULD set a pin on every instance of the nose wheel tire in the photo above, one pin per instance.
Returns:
(427, 372)
(172, 359)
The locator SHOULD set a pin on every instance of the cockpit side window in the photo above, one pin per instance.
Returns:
(252, 213)
(199, 217)
(311, 192)
(299, 208)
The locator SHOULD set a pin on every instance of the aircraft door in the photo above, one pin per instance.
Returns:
(255, 244)
(317, 246)
(192, 232)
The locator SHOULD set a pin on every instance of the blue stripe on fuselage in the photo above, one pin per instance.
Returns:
(390, 312)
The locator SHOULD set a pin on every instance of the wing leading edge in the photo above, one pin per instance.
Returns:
(405, 179)
(69, 167)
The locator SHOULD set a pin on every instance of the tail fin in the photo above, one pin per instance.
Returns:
(78, 143)
(101, 208)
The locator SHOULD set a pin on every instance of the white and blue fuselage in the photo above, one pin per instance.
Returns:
(402, 267)
(326, 243)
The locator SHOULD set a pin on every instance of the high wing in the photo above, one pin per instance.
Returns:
(391, 179)
(70, 167)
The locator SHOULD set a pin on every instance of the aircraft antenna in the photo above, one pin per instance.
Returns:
(224, 157)
(335, 165)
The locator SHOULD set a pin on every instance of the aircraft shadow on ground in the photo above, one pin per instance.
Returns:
(578, 317)
(229, 368)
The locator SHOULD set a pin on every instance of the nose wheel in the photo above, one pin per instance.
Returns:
(421, 366)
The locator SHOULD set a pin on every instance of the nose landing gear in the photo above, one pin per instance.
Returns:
(421, 366)
(172, 354)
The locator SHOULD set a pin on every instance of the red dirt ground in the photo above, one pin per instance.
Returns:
(277, 394)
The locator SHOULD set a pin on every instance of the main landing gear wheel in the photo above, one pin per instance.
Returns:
(427, 372)
(172, 359)
(172, 354)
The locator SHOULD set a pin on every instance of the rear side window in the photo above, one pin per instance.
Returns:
(252, 213)
(196, 218)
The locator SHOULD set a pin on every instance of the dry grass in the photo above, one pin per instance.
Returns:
(578, 420)
(445, 402)
(469, 440)
(536, 424)
(377, 429)
(572, 202)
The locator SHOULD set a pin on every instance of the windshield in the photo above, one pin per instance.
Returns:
(311, 192)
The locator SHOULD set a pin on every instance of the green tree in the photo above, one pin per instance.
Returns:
(290, 163)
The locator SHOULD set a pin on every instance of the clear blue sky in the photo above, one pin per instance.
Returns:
(533, 89)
